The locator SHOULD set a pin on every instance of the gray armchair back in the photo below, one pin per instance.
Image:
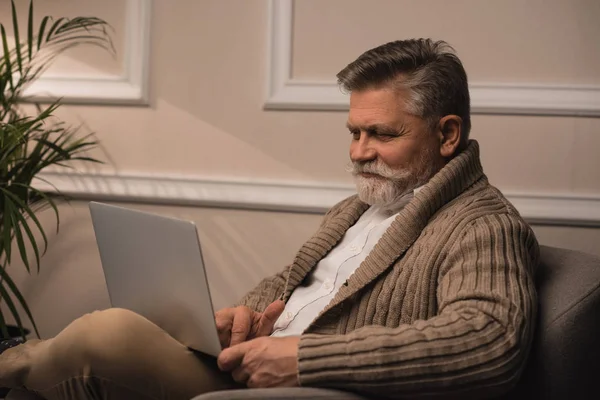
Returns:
(565, 358)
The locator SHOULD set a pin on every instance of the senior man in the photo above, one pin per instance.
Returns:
(420, 285)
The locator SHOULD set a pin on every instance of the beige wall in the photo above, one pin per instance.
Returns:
(83, 61)
(543, 41)
(208, 74)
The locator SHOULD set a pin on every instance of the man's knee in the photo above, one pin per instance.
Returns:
(111, 318)
(102, 334)
(94, 341)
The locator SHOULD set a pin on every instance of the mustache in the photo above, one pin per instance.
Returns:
(374, 167)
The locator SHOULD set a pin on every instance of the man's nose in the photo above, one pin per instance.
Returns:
(362, 150)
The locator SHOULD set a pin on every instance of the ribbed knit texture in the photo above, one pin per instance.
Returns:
(443, 305)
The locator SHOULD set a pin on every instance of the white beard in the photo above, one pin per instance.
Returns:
(390, 185)
(381, 191)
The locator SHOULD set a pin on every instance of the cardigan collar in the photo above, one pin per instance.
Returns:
(454, 178)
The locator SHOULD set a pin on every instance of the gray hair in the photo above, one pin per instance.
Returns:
(430, 70)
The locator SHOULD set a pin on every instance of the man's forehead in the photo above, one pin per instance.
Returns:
(374, 108)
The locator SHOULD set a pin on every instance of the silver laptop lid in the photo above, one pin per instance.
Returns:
(153, 266)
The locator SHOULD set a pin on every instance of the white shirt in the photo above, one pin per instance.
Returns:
(321, 285)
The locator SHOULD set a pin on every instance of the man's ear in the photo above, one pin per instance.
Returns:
(450, 131)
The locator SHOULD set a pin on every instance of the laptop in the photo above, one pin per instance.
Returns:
(153, 266)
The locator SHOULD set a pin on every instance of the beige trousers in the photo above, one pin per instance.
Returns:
(111, 354)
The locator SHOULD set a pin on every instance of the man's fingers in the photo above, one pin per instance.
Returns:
(232, 357)
(223, 321)
(225, 339)
(222, 324)
(242, 322)
(240, 375)
(269, 317)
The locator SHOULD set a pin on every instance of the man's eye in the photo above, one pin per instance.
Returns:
(386, 137)
(355, 135)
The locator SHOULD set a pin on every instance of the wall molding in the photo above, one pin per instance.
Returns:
(131, 87)
(287, 93)
(541, 208)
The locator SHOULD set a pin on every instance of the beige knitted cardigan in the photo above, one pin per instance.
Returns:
(444, 304)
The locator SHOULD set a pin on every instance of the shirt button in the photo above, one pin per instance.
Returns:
(353, 248)
(328, 285)
(288, 316)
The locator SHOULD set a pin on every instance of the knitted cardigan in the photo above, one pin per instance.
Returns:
(444, 304)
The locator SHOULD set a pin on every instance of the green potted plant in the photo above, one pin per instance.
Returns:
(32, 141)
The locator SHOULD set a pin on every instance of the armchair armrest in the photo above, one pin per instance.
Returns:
(304, 393)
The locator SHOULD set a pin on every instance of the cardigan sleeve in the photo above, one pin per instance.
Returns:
(266, 292)
(477, 343)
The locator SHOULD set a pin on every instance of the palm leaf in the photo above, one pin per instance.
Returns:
(7, 229)
(17, 38)
(11, 198)
(47, 201)
(3, 326)
(56, 147)
(42, 30)
(19, 236)
(5, 277)
(4, 295)
(7, 62)
(54, 27)
(20, 221)
(29, 213)
(30, 31)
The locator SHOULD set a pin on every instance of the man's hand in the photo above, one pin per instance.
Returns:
(238, 324)
(263, 362)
